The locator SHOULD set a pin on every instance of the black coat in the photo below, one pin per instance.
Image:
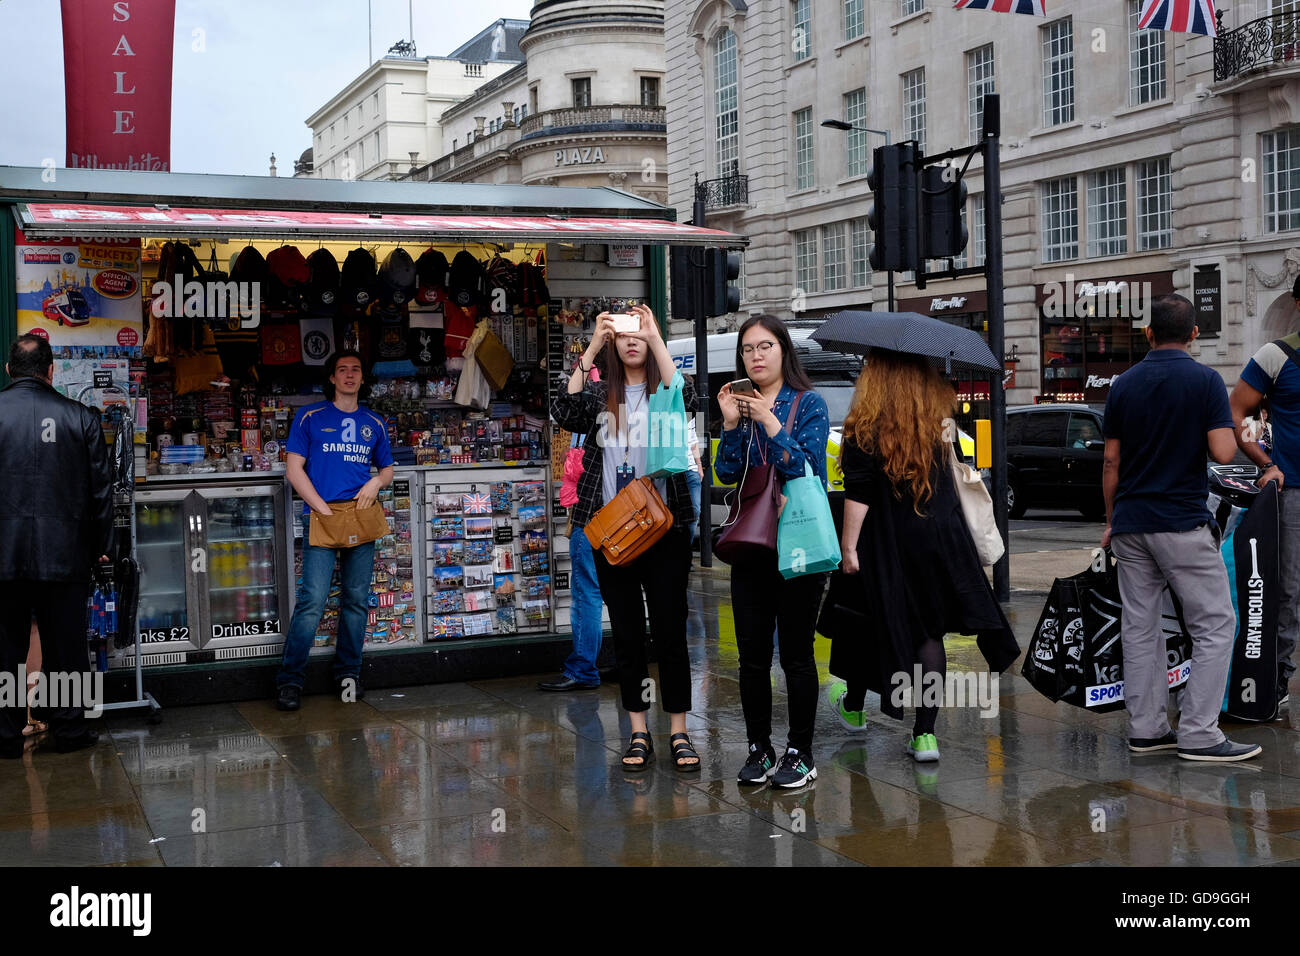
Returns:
(920, 578)
(56, 501)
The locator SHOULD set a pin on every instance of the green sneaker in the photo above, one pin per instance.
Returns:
(851, 719)
(924, 748)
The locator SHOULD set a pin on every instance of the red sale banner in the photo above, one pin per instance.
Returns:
(117, 65)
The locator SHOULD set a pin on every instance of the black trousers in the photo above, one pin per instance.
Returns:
(662, 573)
(60, 609)
(763, 601)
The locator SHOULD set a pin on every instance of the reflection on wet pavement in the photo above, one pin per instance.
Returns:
(495, 773)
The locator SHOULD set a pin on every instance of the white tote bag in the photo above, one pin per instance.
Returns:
(977, 506)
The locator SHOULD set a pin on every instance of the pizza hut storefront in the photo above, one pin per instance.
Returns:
(1091, 330)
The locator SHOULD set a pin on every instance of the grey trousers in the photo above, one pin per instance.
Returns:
(1190, 562)
(1288, 612)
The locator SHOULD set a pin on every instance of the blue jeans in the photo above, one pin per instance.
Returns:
(694, 482)
(584, 612)
(317, 568)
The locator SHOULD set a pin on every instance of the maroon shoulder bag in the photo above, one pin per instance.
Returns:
(749, 533)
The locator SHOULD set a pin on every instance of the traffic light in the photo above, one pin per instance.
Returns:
(943, 197)
(720, 296)
(893, 213)
(681, 277)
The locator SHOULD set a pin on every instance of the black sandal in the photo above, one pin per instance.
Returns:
(645, 751)
(682, 749)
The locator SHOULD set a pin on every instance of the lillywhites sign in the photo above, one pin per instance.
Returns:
(940, 305)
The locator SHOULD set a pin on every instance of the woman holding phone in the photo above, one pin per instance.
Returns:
(613, 414)
(771, 414)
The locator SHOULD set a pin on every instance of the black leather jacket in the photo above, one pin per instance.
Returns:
(56, 502)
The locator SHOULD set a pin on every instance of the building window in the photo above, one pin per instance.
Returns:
(649, 91)
(801, 41)
(345, 125)
(514, 116)
(914, 106)
(804, 174)
(978, 252)
(1154, 205)
(959, 261)
(833, 272)
(532, 98)
(374, 103)
(979, 83)
(1058, 73)
(1060, 220)
(1282, 180)
(523, 112)
(1107, 213)
(455, 145)
(1146, 61)
(582, 92)
(860, 258)
(855, 113)
(805, 260)
(912, 6)
(726, 103)
(333, 137)
(855, 19)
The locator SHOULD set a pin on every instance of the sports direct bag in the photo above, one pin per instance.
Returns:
(1249, 519)
(348, 526)
(1075, 654)
(806, 542)
(630, 524)
(668, 452)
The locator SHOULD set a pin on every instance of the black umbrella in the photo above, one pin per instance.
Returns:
(909, 332)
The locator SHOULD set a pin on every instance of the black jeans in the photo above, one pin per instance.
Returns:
(662, 572)
(763, 601)
(60, 609)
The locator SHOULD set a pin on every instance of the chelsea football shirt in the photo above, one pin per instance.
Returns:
(339, 447)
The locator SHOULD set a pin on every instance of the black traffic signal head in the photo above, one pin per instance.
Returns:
(893, 213)
(721, 295)
(943, 197)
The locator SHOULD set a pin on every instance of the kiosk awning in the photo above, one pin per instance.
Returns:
(37, 219)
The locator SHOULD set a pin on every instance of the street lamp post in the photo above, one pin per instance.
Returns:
(846, 127)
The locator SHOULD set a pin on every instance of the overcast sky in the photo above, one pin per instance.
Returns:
(267, 67)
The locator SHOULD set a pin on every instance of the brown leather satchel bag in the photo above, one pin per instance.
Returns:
(629, 525)
(348, 526)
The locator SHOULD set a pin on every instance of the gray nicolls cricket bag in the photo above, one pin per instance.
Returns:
(1075, 655)
(1249, 519)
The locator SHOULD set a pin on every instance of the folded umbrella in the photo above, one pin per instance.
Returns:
(909, 332)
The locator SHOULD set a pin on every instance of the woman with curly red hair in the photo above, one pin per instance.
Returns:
(905, 537)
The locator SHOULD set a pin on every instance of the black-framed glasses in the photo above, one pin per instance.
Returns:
(762, 348)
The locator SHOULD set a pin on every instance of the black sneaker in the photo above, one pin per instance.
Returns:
(1222, 752)
(1147, 745)
(350, 689)
(290, 698)
(760, 765)
(796, 769)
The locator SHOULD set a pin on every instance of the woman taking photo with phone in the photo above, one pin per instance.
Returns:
(771, 415)
(613, 414)
(905, 538)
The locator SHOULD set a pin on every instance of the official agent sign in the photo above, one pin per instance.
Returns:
(117, 67)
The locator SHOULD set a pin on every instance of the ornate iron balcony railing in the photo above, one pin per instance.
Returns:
(1264, 42)
(729, 190)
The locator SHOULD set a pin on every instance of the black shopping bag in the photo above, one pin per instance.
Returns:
(1075, 655)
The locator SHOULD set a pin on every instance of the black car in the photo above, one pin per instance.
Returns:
(1054, 459)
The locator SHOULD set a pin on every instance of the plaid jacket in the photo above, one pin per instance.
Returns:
(579, 414)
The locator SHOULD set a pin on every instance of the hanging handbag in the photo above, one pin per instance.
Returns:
(630, 524)
(977, 507)
(749, 533)
(807, 542)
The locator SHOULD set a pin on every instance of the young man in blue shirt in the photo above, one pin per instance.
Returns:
(1162, 416)
(331, 447)
(1274, 372)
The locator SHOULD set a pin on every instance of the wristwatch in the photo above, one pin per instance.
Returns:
(1267, 465)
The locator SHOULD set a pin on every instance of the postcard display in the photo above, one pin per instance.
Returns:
(392, 614)
(488, 553)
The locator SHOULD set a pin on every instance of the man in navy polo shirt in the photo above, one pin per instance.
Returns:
(1274, 372)
(331, 447)
(1162, 416)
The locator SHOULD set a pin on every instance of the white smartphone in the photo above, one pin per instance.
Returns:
(626, 322)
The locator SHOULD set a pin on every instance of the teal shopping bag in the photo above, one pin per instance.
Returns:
(806, 542)
(668, 452)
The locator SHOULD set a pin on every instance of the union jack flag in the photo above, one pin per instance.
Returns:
(476, 504)
(1035, 8)
(1180, 16)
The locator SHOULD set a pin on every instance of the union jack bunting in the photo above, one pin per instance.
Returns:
(1036, 8)
(1180, 16)
(476, 504)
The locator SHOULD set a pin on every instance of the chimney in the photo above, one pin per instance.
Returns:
(273, 164)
